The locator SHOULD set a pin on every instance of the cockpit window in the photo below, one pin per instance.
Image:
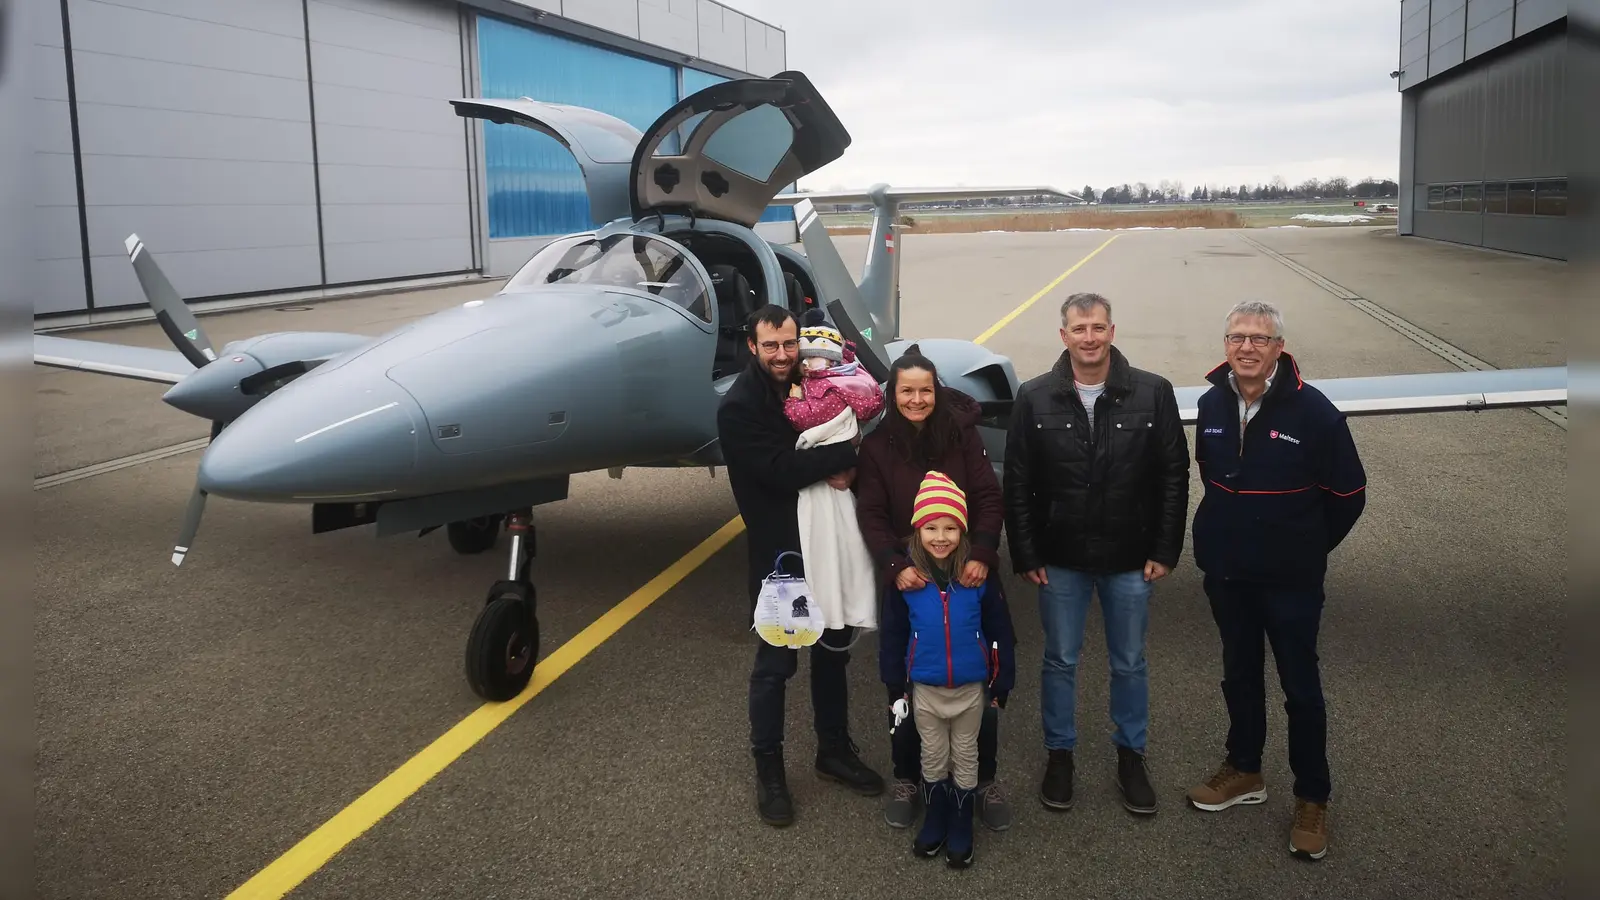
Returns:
(753, 142)
(638, 262)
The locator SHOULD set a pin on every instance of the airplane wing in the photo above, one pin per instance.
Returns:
(121, 360)
(1387, 395)
(922, 195)
(1373, 395)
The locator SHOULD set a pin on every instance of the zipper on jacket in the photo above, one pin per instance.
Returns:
(949, 661)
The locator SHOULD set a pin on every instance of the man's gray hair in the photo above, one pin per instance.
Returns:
(1256, 308)
(1084, 303)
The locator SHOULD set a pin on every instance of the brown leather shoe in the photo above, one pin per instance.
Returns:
(1229, 787)
(1309, 836)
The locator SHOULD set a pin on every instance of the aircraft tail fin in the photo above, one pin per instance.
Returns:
(878, 293)
(839, 294)
(175, 317)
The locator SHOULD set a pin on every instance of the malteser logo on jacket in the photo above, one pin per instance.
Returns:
(1280, 436)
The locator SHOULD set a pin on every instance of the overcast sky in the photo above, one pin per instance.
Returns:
(1075, 92)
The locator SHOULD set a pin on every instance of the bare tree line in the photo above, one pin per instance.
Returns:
(1275, 189)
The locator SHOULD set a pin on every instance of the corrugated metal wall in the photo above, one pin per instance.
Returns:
(392, 154)
(1490, 165)
(1438, 35)
(195, 134)
(58, 282)
(193, 126)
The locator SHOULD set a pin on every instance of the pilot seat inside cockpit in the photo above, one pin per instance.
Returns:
(736, 302)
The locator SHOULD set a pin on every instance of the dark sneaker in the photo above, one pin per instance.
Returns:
(992, 806)
(936, 819)
(1228, 787)
(1309, 836)
(958, 846)
(772, 789)
(839, 762)
(1056, 792)
(901, 809)
(1133, 778)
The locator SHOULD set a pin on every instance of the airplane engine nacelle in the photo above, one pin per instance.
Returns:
(980, 373)
(245, 372)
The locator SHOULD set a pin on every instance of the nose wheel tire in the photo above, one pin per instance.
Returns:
(504, 644)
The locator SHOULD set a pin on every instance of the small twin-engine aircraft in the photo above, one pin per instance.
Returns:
(608, 349)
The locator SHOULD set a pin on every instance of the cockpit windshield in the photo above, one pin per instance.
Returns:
(639, 262)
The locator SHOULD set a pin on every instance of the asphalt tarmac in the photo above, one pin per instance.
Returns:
(196, 724)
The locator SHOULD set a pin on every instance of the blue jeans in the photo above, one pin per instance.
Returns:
(1063, 609)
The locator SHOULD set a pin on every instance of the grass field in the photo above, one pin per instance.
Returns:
(1183, 215)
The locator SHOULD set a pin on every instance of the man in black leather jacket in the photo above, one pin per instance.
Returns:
(1096, 493)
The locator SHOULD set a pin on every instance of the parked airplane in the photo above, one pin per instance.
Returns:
(608, 349)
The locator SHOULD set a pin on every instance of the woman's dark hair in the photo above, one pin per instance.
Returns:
(939, 432)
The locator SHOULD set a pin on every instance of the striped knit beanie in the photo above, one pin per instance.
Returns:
(939, 496)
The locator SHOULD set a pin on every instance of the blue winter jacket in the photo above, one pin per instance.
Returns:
(1282, 496)
(947, 638)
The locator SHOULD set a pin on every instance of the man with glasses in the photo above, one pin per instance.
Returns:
(1283, 485)
(766, 473)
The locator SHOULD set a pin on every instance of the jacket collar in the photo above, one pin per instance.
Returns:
(1118, 380)
(1286, 383)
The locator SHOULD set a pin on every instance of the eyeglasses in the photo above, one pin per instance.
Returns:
(772, 346)
(1256, 340)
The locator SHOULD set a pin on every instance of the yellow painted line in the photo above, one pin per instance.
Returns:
(286, 872)
(1045, 290)
(306, 857)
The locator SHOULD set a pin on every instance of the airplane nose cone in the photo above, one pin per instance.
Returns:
(309, 444)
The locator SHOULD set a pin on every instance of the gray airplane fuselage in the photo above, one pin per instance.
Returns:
(526, 384)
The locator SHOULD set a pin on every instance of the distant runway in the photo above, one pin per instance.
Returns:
(289, 711)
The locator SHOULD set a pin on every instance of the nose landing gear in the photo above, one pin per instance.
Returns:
(503, 647)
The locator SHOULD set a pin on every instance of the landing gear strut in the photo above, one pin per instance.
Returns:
(504, 644)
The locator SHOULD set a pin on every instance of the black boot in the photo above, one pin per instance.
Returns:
(958, 850)
(936, 818)
(772, 789)
(837, 761)
(1056, 792)
(1134, 781)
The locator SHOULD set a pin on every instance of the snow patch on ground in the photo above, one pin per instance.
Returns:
(1344, 218)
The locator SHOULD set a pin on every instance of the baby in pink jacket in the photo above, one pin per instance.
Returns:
(831, 378)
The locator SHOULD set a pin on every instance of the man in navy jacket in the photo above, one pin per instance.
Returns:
(1283, 487)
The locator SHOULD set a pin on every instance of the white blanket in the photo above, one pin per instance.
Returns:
(838, 567)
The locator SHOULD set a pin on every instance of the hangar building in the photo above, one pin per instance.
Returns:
(304, 147)
(1483, 123)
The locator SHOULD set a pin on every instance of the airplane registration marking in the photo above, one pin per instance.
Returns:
(390, 405)
(314, 851)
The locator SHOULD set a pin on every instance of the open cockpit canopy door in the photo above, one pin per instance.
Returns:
(602, 145)
(753, 137)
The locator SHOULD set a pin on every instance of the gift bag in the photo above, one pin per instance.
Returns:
(785, 615)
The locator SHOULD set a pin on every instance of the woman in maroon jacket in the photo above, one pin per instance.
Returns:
(927, 426)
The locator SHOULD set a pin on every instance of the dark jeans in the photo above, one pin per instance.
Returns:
(830, 706)
(1289, 617)
(905, 745)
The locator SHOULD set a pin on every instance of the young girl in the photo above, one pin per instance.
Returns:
(947, 648)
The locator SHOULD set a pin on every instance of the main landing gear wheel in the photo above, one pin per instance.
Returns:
(503, 647)
(474, 536)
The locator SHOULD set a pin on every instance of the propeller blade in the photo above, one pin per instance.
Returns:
(191, 516)
(191, 525)
(176, 319)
